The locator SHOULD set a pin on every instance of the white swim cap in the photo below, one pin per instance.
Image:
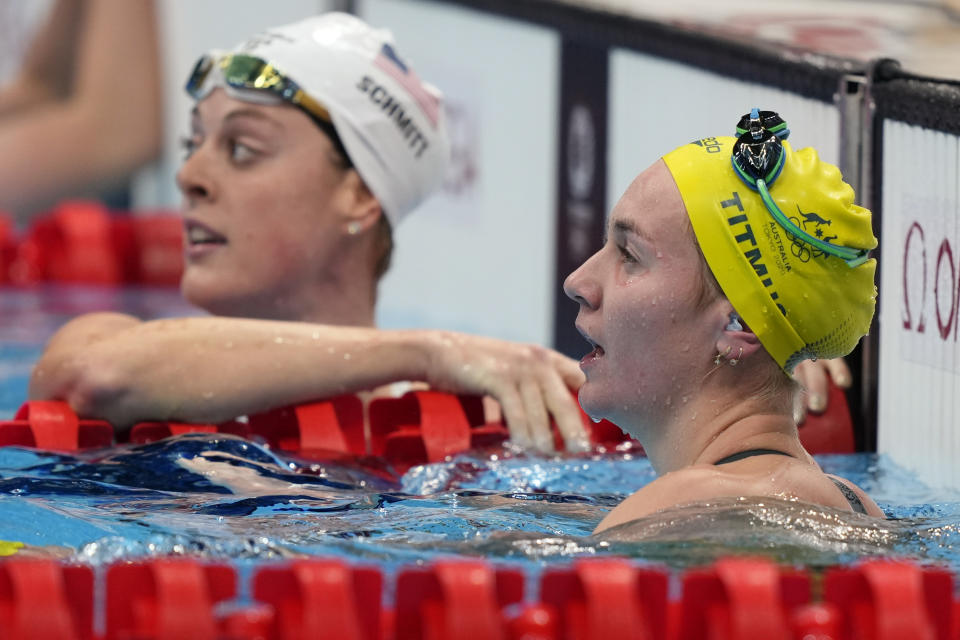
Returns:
(391, 122)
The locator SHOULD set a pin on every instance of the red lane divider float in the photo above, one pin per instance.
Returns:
(322, 599)
(467, 599)
(462, 600)
(8, 248)
(42, 600)
(740, 598)
(417, 428)
(608, 598)
(892, 600)
(428, 426)
(166, 599)
(83, 242)
(53, 426)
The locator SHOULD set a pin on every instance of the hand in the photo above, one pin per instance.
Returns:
(814, 377)
(530, 382)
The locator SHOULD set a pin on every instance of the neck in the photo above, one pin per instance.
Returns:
(351, 306)
(346, 293)
(720, 419)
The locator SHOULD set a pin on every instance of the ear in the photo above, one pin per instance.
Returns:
(736, 340)
(360, 209)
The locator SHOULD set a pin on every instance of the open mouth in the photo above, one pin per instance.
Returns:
(200, 234)
(597, 349)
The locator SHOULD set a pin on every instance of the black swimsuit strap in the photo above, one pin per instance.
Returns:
(855, 503)
(749, 453)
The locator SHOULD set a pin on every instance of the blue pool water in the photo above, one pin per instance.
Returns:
(223, 497)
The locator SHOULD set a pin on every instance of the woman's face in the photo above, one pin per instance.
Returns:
(638, 305)
(262, 195)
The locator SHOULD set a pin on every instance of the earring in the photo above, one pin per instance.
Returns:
(721, 356)
(353, 228)
(735, 361)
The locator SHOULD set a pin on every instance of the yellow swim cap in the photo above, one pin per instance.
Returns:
(804, 286)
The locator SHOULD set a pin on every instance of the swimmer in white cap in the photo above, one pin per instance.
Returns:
(310, 142)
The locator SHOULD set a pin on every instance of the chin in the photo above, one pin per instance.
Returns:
(591, 405)
(208, 298)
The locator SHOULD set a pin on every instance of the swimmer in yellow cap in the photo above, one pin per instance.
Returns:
(727, 263)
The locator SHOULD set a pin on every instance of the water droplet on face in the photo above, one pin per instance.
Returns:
(347, 356)
(331, 350)
(669, 401)
(315, 335)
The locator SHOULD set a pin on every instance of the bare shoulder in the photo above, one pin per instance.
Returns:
(691, 484)
(785, 479)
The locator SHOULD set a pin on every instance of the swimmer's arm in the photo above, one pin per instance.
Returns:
(43, 76)
(115, 367)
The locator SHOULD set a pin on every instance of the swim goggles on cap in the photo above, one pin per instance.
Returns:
(242, 71)
(758, 159)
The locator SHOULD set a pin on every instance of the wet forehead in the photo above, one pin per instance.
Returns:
(219, 108)
(652, 208)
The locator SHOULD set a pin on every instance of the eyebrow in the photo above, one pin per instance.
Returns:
(241, 113)
(621, 225)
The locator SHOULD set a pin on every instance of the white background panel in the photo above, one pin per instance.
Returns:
(479, 257)
(920, 301)
(657, 105)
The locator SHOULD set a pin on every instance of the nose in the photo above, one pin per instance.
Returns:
(193, 178)
(581, 287)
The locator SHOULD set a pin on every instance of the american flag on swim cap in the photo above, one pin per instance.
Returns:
(389, 61)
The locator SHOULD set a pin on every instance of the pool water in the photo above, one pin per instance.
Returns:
(223, 497)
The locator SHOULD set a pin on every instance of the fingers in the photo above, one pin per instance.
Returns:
(538, 422)
(569, 370)
(566, 413)
(839, 372)
(542, 391)
(514, 415)
(813, 377)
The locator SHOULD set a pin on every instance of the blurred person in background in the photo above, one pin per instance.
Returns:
(82, 111)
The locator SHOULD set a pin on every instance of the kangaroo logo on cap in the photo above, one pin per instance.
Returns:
(801, 249)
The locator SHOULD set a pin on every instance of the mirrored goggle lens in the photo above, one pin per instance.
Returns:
(248, 72)
(199, 74)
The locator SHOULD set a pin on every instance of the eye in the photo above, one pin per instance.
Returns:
(188, 144)
(625, 255)
(241, 153)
